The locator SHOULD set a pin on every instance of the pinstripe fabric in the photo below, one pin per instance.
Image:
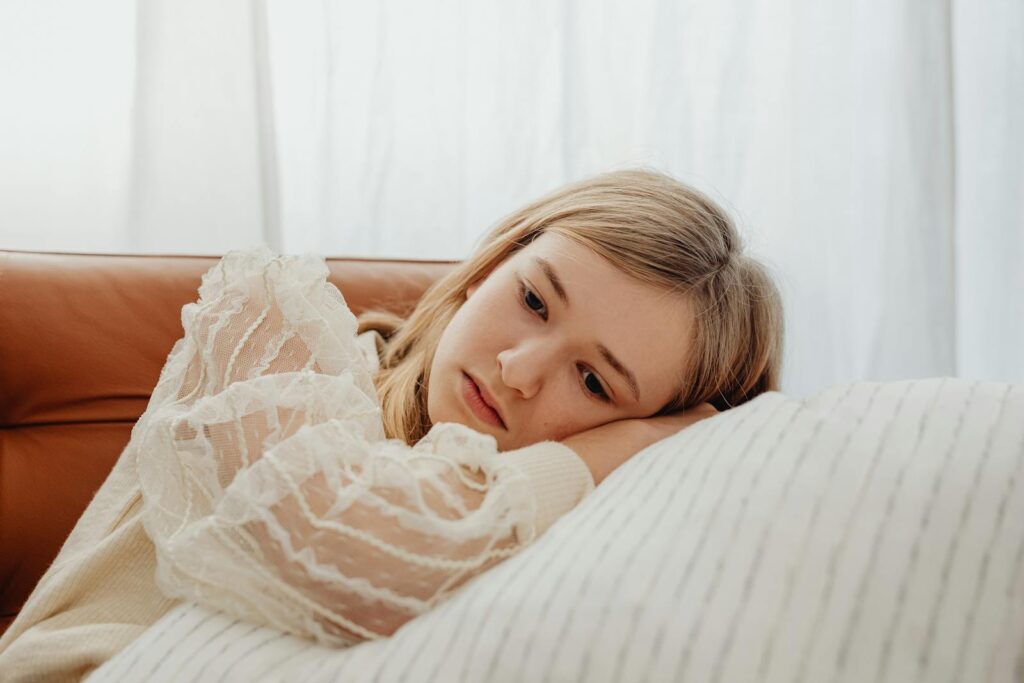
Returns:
(874, 532)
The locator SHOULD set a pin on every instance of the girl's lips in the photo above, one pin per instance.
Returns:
(471, 394)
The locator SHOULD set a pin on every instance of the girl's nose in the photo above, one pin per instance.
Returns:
(522, 369)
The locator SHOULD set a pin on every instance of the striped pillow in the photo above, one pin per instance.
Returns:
(873, 532)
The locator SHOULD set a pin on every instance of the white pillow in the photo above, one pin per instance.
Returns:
(873, 532)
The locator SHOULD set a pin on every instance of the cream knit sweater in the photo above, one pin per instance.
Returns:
(259, 482)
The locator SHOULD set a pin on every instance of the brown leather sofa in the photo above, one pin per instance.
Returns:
(83, 338)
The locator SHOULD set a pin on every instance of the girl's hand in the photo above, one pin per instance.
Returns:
(607, 446)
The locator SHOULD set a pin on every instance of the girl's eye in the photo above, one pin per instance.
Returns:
(595, 389)
(599, 391)
(525, 294)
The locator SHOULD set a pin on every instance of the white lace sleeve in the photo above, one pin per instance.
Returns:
(271, 493)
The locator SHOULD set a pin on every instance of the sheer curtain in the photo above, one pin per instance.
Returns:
(871, 153)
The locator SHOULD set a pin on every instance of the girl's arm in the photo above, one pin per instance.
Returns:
(270, 493)
(607, 446)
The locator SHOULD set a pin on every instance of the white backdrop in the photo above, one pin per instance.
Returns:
(873, 155)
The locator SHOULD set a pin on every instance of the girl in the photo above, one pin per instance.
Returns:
(335, 478)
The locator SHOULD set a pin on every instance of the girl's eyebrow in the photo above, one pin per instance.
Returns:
(556, 284)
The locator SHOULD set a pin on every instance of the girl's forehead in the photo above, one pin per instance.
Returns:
(554, 248)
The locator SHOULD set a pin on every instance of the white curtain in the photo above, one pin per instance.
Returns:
(872, 152)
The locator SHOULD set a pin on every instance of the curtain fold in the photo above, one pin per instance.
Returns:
(203, 174)
(871, 153)
(988, 72)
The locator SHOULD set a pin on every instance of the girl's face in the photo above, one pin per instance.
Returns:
(534, 335)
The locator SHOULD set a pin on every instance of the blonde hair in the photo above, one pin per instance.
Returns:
(651, 227)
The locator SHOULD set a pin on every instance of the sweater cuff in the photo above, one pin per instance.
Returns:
(558, 480)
